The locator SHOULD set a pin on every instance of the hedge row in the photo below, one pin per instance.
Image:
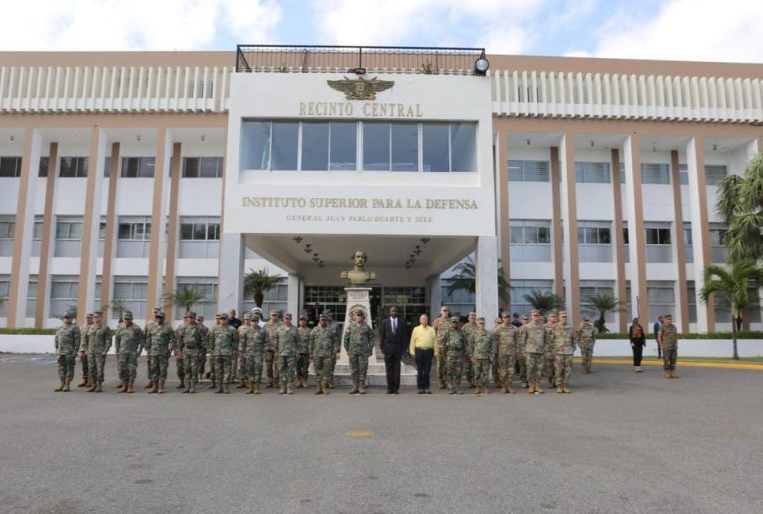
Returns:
(751, 334)
(28, 331)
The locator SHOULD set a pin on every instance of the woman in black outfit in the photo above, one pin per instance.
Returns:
(638, 341)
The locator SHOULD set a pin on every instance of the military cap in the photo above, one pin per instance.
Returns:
(453, 319)
(562, 313)
(506, 315)
(190, 314)
(321, 316)
(68, 315)
(223, 315)
(127, 315)
(480, 320)
(97, 313)
(159, 314)
(157, 309)
(287, 315)
(524, 316)
(89, 315)
(360, 313)
(302, 316)
(472, 313)
(586, 318)
(668, 316)
(497, 319)
(200, 318)
(247, 316)
(535, 312)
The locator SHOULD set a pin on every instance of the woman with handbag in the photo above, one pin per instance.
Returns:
(638, 341)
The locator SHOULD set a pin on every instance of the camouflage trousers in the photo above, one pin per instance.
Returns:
(95, 364)
(158, 367)
(149, 365)
(669, 356)
(455, 371)
(271, 367)
(286, 369)
(119, 367)
(190, 366)
(254, 373)
(506, 369)
(358, 366)
(534, 363)
(243, 367)
(563, 369)
(85, 367)
(223, 369)
(548, 365)
(128, 368)
(322, 367)
(494, 370)
(213, 367)
(180, 367)
(65, 367)
(441, 366)
(468, 370)
(522, 359)
(332, 367)
(481, 372)
(587, 355)
(201, 363)
(303, 363)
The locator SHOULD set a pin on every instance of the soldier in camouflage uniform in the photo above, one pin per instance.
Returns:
(521, 356)
(548, 361)
(179, 360)
(333, 325)
(323, 344)
(127, 340)
(160, 339)
(150, 323)
(243, 366)
(586, 339)
(96, 345)
(202, 364)
(469, 329)
(506, 350)
(271, 366)
(188, 348)
(359, 343)
(225, 344)
(668, 341)
(563, 343)
(482, 351)
(303, 355)
(494, 371)
(534, 342)
(441, 325)
(254, 343)
(454, 346)
(67, 340)
(286, 345)
(84, 330)
(209, 348)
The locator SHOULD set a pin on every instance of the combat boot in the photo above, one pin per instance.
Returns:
(181, 385)
(150, 385)
(84, 383)
(486, 390)
(251, 388)
(154, 387)
(219, 389)
(524, 385)
(130, 385)
(192, 388)
(289, 390)
(539, 389)
(354, 389)
(67, 385)
(214, 384)
(257, 388)
(242, 385)
(673, 374)
(282, 390)
(566, 390)
(122, 387)
(160, 389)
(326, 387)
(505, 389)
(318, 388)
(560, 390)
(362, 387)
(477, 390)
(443, 385)
(226, 388)
(667, 374)
(60, 387)
(99, 387)
(92, 387)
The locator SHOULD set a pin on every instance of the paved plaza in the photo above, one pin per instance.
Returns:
(621, 443)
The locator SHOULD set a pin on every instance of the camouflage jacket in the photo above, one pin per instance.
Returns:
(160, 339)
(67, 340)
(550, 337)
(441, 326)
(224, 340)
(469, 329)
(482, 344)
(337, 335)
(303, 342)
(254, 342)
(586, 335)
(323, 341)
(454, 343)
(97, 341)
(669, 336)
(563, 337)
(128, 339)
(243, 339)
(505, 340)
(287, 341)
(272, 330)
(534, 338)
(358, 339)
(190, 339)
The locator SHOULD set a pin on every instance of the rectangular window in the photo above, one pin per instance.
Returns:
(202, 167)
(376, 137)
(463, 147)
(343, 153)
(284, 145)
(207, 288)
(31, 297)
(660, 297)
(589, 288)
(658, 236)
(107, 167)
(691, 295)
(68, 236)
(436, 147)
(718, 252)
(199, 238)
(714, 173)
(530, 240)
(520, 288)
(73, 167)
(5, 287)
(688, 243)
(43, 170)
(315, 146)
(132, 291)
(595, 241)
(655, 173)
(138, 167)
(592, 173)
(255, 145)
(529, 171)
(658, 241)
(7, 233)
(683, 174)
(134, 237)
(64, 291)
(405, 147)
(10, 166)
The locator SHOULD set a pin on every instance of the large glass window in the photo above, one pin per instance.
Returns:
(285, 141)
(660, 297)
(655, 173)
(207, 288)
(529, 171)
(435, 143)
(134, 237)
(718, 252)
(589, 288)
(463, 147)
(595, 241)
(255, 145)
(68, 236)
(202, 167)
(593, 172)
(73, 167)
(405, 147)
(276, 299)
(658, 240)
(138, 167)
(10, 166)
(132, 291)
(199, 237)
(343, 154)
(714, 173)
(520, 288)
(376, 146)
(315, 146)
(7, 233)
(64, 291)
(31, 297)
(530, 240)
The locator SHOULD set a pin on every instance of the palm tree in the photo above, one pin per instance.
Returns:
(732, 285)
(185, 297)
(464, 280)
(740, 206)
(544, 301)
(118, 307)
(602, 304)
(258, 282)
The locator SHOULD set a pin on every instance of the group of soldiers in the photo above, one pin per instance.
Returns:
(284, 351)
(536, 350)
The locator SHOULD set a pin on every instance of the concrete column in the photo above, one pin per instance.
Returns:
(434, 295)
(486, 271)
(617, 233)
(230, 292)
(636, 234)
(571, 260)
(293, 301)
(88, 268)
(46, 245)
(700, 228)
(22, 245)
(157, 247)
(110, 243)
(502, 187)
(556, 220)
(682, 309)
(172, 222)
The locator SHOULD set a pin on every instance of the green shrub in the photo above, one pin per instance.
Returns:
(751, 334)
(28, 331)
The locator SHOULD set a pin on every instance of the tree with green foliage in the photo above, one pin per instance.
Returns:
(603, 304)
(256, 283)
(730, 285)
(544, 301)
(185, 297)
(740, 206)
(465, 280)
(118, 307)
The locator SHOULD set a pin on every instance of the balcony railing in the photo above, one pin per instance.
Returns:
(354, 59)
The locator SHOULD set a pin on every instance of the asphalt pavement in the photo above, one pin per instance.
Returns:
(621, 443)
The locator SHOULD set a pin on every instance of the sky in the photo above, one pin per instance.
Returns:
(697, 30)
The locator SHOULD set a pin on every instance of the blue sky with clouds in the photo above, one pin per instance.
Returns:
(659, 29)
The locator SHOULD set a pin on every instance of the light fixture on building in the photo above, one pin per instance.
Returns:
(481, 65)
(316, 259)
(298, 239)
(591, 143)
(425, 240)
(138, 137)
(12, 138)
(715, 147)
(357, 71)
(203, 137)
(308, 249)
(528, 142)
(417, 250)
(320, 264)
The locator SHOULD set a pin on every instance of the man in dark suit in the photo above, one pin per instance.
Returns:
(393, 344)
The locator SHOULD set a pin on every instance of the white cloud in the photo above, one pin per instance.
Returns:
(696, 30)
(495, 24)
(134, 24)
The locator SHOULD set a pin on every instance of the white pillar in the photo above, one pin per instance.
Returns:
(486, 271)
(293, 300)
(700, 239)
(434, 293)
(231, 289)
(636, 235)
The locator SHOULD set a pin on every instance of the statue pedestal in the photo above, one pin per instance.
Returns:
(357, 298)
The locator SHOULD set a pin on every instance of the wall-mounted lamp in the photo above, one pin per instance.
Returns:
(203, 137)
(138, 137)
